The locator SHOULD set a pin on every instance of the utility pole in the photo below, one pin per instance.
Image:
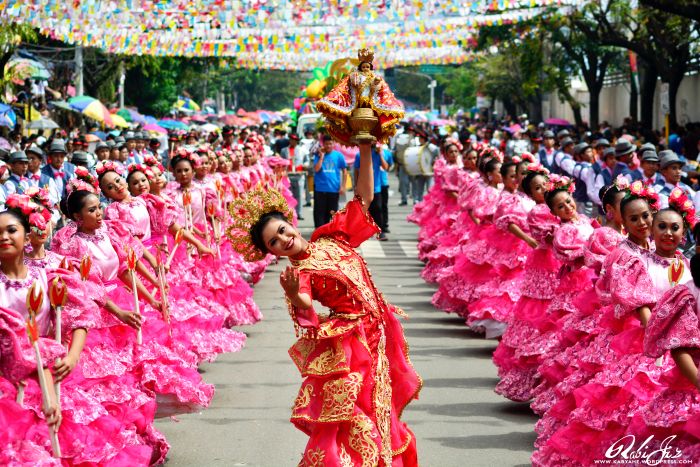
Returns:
(432, 86)
(79, 71)
(122, 78)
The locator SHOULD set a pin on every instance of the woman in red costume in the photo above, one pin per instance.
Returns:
(357, 374)
(361, 89)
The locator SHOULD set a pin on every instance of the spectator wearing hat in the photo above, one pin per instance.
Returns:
(546, 153)
(599, 146)
(17, 181)
(297, 173)
(649, 166)
(584, 178)
(671, 169)
(605, 176)
(330, 177)
(80, 159)
(57, 167)
(624, 152)
(36, 177)
(102, 151)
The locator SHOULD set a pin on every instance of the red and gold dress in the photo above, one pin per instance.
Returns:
(344, 98)
(357, 374)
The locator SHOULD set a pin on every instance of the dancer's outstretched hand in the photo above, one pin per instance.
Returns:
(289, 280)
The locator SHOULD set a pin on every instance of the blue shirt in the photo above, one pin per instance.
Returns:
(389, 159)
(327, 180)
(377, 168)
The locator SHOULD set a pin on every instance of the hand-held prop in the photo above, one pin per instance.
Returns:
(178, 240)
(161, 285)
(131, 266)
(35, 298)
(58, 293)
(85, 266)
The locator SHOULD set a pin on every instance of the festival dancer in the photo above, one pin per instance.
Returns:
(357, 375)
(88, 433)
(627, 380)
(506, 255)
(517, 369)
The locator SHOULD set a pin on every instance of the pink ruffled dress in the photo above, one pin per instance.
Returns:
(496, 246)
(159, 365)
(90, 432)
(675, 408)
(627, 380)
(462, 285)
(516, 359)
(456, 225)
(433, 212)
(191, 324)
(569, 366)
(221, 278)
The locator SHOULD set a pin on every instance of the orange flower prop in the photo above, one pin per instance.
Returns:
(85, 266)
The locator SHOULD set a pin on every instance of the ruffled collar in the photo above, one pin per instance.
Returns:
(32, 275)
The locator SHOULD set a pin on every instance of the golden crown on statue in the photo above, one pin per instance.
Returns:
(365, 55)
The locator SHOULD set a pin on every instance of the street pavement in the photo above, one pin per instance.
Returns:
(458, 420)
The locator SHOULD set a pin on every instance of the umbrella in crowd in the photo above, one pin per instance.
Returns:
(186, 104)
(92, 108)
(153, 128)
(62, 105)
(209, 128)
(7, 116)
(118, 121)
(557, 122)
(42, 124)
(22, 68)
(171, 124)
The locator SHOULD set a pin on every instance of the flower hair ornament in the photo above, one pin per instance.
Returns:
(151, 161)
(83, 174)
(489, 152)
(107, 166)
(40, 196)
(185, 154)
(537, 168)
(621, 183)
(557, 182)
(143, 168)
(638, 190)
(246, 211)
(679, 202)
(526, 156)
(38, 216)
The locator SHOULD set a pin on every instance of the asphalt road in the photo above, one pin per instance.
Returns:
(458, 420)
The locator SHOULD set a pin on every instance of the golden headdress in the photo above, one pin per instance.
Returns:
(365, 55)
(246, 211)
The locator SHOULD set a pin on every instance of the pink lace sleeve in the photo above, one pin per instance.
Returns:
(163, 214)
(17, 359)
(568, 244)
(451, 180)
(484, 204)
(603, 241)
(120, 213)
(624, 281)
(81, 307)
(350, 224)
(510, 210)
(65, 243)
(673, 324)
(542, 223)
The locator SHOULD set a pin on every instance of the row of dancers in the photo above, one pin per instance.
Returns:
(598, 325)
(138, 287)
